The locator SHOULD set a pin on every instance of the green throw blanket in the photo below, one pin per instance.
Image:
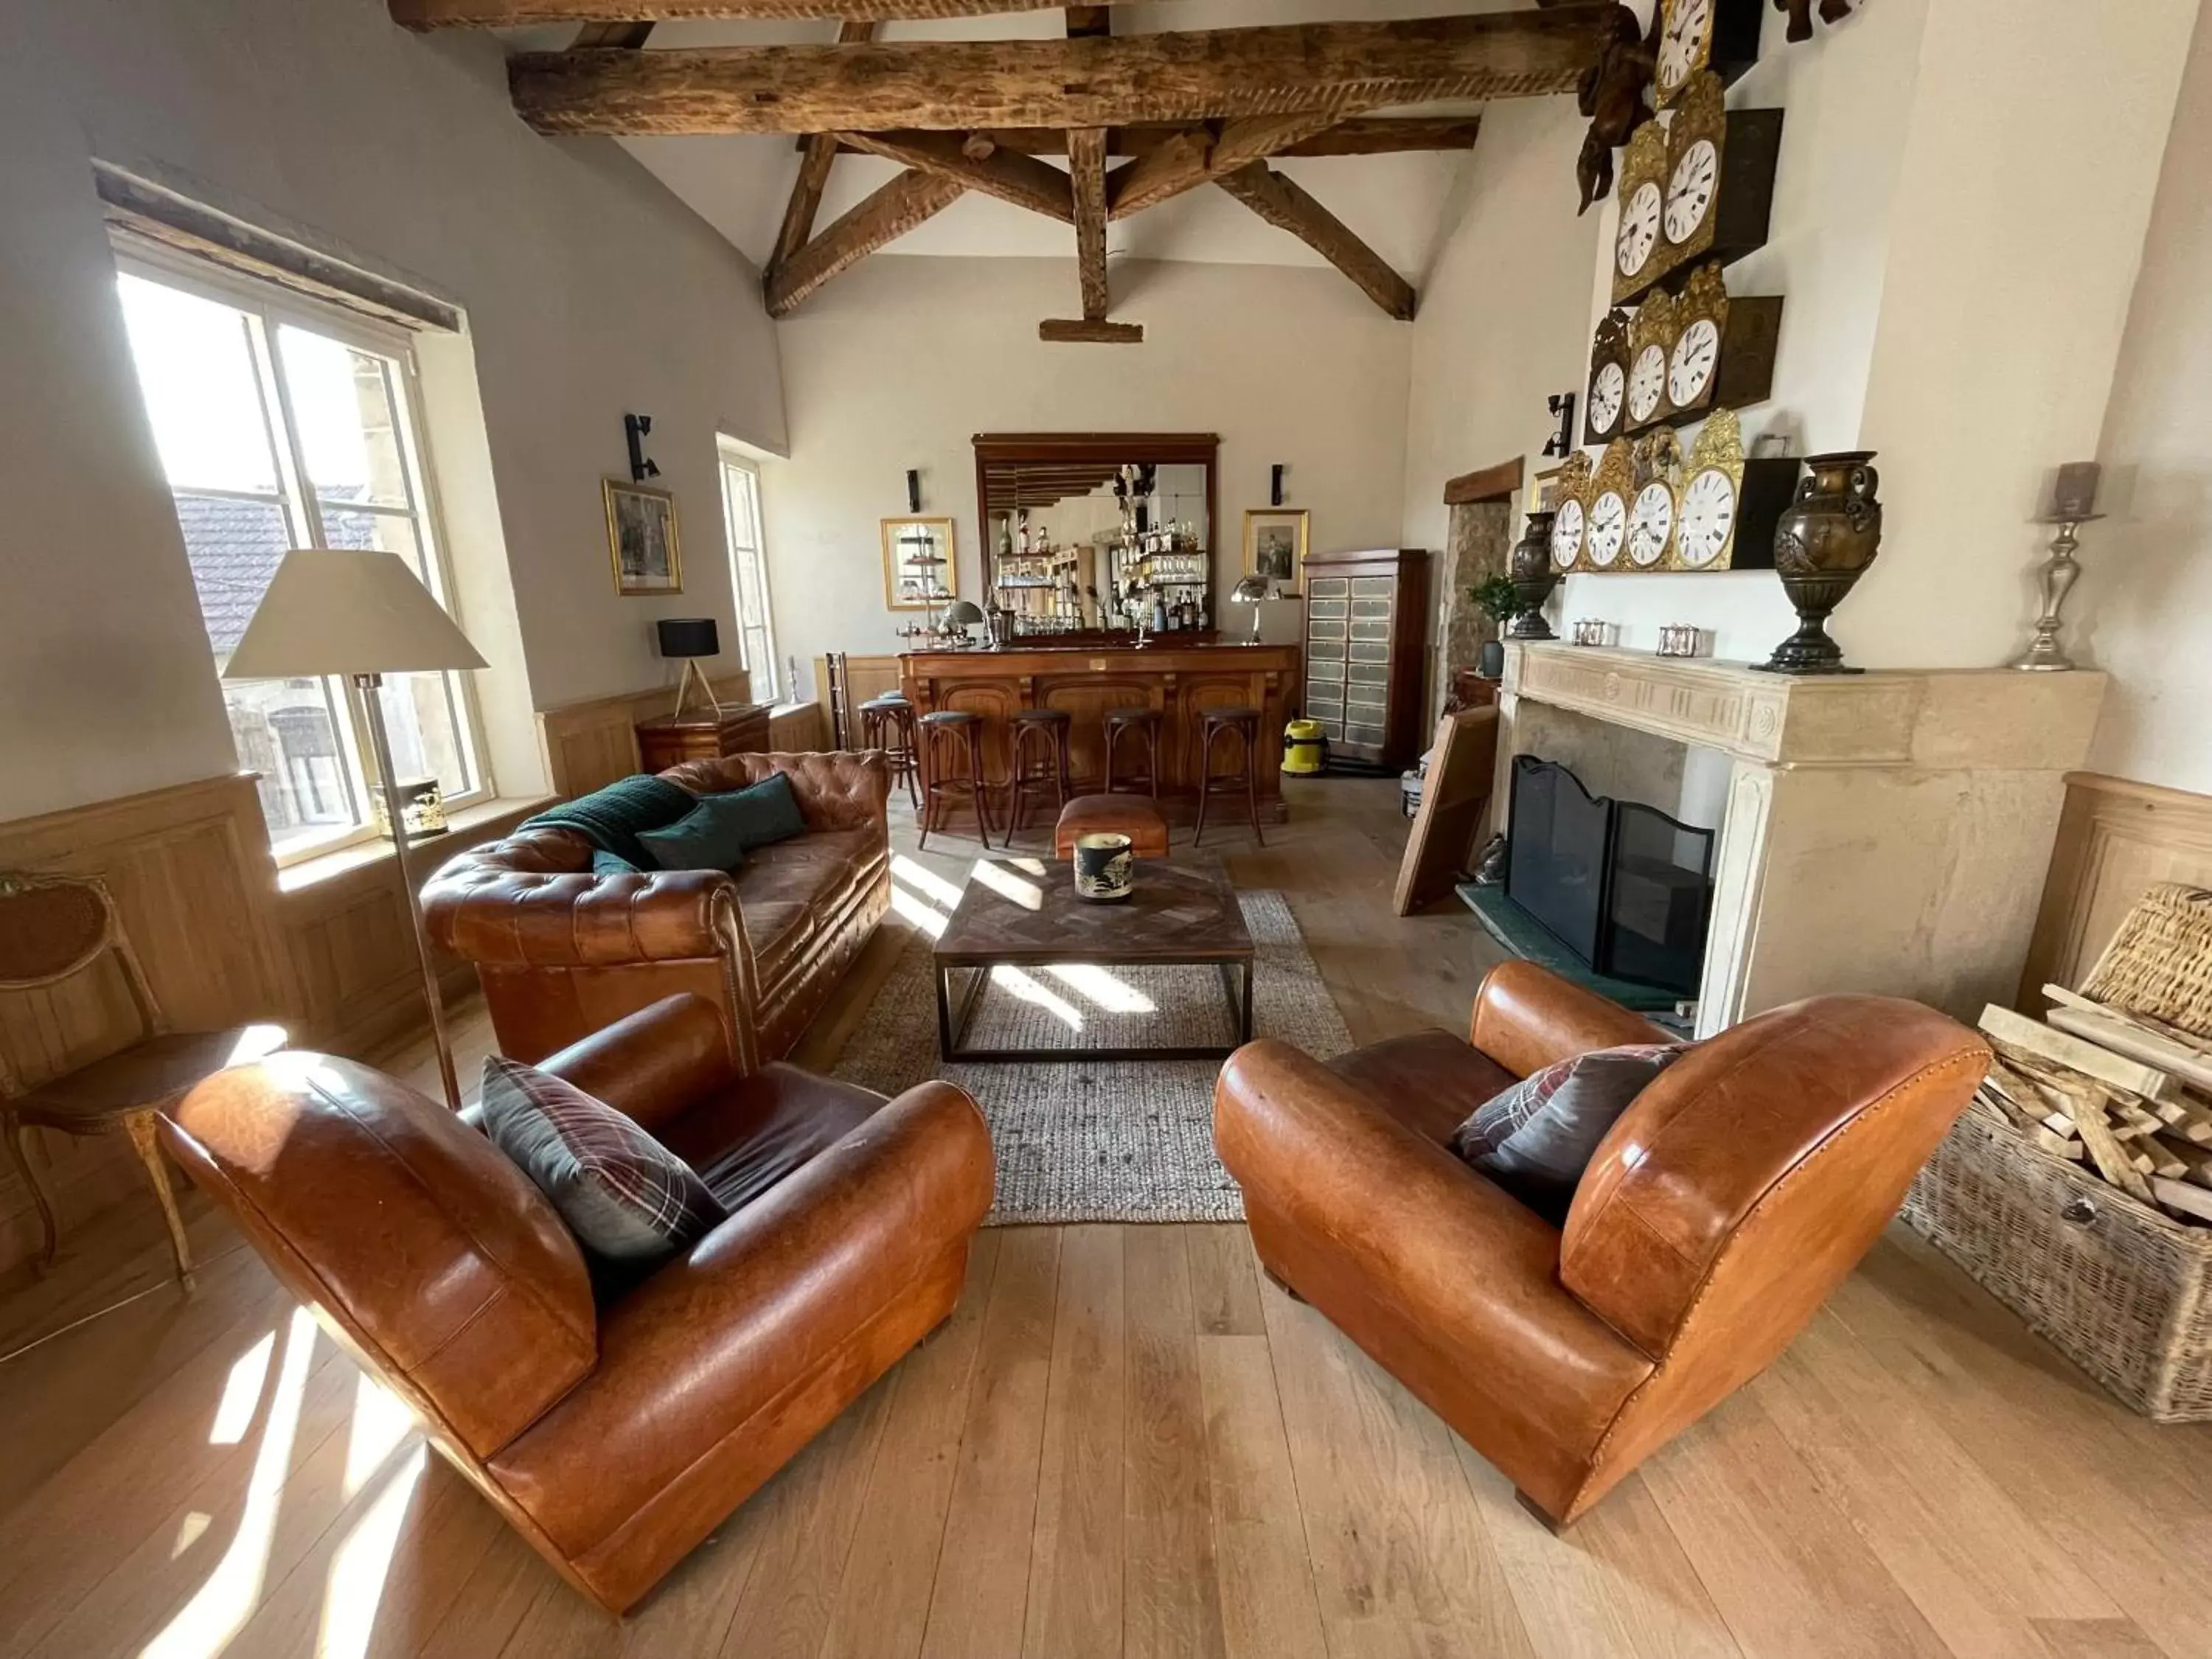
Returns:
(609, 818)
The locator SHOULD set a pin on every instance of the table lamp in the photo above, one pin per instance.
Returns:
(964, 614)
(1251, 591)
(363, 615)
(690, 638)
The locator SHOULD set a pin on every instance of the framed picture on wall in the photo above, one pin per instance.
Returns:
(919, 568)
(641, 537)
(1274, 542)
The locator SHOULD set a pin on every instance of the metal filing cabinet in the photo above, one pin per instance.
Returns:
(1366, 620)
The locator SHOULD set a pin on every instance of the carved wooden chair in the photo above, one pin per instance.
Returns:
(53, 928)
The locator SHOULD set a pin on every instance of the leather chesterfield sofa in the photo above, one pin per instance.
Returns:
(1740, 1188)
(563, 952)
(614, 1431)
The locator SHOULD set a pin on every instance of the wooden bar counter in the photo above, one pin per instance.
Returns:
(1180, 679)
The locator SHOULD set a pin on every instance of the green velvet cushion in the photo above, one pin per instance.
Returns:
(612, 864)
(610, 818)
(710, 836)
(769, 811)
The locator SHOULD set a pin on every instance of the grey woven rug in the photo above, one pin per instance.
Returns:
(1083, 1140)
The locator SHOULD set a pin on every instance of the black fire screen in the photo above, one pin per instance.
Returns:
(1624, 886)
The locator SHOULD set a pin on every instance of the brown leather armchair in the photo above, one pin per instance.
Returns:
(612, 1434)
(563, 952)
(1724, 1207)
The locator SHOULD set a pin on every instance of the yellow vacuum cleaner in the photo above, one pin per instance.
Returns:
(1305, 750)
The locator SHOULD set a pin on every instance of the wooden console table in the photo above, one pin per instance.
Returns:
(740, 729)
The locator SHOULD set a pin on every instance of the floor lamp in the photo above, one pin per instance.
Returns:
(363, 615)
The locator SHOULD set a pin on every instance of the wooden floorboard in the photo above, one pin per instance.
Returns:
(1125, 1443)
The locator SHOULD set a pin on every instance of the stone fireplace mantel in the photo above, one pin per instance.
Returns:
(1884, 832)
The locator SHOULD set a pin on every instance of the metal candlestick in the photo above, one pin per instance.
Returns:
(2060, 571)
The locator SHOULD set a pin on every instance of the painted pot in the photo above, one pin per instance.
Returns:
(1534, 577)
(1105, 865)
(1823, 543)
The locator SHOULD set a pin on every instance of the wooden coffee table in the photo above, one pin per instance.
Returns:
(1023, 913)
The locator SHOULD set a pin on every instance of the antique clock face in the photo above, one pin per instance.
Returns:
(1609, 524)
(1708, 519)
(1646, 380)
(1685, 41)
(1639, 229)
(1608, 386)
(1691, 191)
(1690, 371)
(1567, 534)
(1651, 524)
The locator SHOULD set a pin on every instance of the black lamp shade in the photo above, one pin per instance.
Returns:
(688, 636)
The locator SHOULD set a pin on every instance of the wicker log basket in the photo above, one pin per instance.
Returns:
(2062, 1216)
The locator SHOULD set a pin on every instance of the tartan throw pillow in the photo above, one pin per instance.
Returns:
(1535, 1138)
(628, 1199)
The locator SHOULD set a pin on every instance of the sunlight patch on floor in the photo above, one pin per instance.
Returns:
(1023, 985)
(241, 1394)
(380, 1422)
(925, 881)
(1105, 988)
(356, 1586)
(918, 911)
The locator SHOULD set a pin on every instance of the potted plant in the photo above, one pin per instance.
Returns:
(1494, 596)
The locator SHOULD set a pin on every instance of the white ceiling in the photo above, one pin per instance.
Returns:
(740, 183)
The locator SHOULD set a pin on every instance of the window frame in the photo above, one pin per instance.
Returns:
(732, 458)
(272, 305)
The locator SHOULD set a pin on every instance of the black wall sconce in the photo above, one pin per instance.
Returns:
(637, 428)
(912, 491)
(1562, 442)
(1275, 485)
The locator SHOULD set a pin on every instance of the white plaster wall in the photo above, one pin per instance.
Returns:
(590, 291)
(901, 360)
(2143, 607)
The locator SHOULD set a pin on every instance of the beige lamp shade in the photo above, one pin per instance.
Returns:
(336, 611)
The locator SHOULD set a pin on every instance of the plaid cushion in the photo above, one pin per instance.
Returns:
(1536, 1138)
(628, 1199)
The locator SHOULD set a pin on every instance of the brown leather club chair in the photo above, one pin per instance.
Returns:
(1724, 1207)
(613, 1435)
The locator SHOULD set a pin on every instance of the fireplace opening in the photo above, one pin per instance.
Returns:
(1626, 888)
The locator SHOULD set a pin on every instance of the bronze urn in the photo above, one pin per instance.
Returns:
(1823, 543)
(1530, 568)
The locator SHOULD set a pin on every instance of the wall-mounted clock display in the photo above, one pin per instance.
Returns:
(1656, 471)
(1608, 379)
(1638, 247)
(1727, 511)
(1719, 176)
(1722, 351)
(1607, 520)
(1649, 338)
(1571, 517)
(1722, 35)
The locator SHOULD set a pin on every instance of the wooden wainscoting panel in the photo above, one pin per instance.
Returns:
(2115, 839)
(587, 745)
(798, 728)
(190, 871)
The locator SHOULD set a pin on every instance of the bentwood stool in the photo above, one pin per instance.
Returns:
(1040, 763)
(1146, 724)
(52, 929)
(952, 745)
(1244, 725)
(887, 723)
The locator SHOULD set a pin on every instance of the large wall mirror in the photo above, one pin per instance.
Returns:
(1090, 532)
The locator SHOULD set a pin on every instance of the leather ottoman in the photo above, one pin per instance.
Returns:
(1133, 816)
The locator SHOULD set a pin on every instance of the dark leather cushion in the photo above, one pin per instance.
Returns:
(1430, 1081)
(1536, 1138)
(747, 1137)
(628, 1199)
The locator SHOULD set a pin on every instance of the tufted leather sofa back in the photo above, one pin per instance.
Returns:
(837, 791)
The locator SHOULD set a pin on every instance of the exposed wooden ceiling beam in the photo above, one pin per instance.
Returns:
(1201, 156)
(1090, 330)
(1281, 202)
(1106, 81)
(884, 216)
(1006, 174)
(511, 13)
(1361, 135)
(624, 36)
(1086, 167)
(819, 150)
(1088, 20)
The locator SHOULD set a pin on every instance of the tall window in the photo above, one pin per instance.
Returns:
(749, 576)
(281, 425)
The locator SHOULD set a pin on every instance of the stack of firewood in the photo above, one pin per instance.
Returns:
(2125, 1094)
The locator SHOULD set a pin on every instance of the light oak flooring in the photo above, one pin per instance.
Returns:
(1125, 1443)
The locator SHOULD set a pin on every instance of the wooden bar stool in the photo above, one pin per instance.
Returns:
(1040, 763)
(1244, 723)
(887, 723)
(1145, 723)
(952, 744)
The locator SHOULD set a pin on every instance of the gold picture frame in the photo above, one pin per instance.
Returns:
(910, 545)
(643, 540)
(1274, 523)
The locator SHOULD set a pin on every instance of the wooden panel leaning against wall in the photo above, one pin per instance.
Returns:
(2115, 839)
